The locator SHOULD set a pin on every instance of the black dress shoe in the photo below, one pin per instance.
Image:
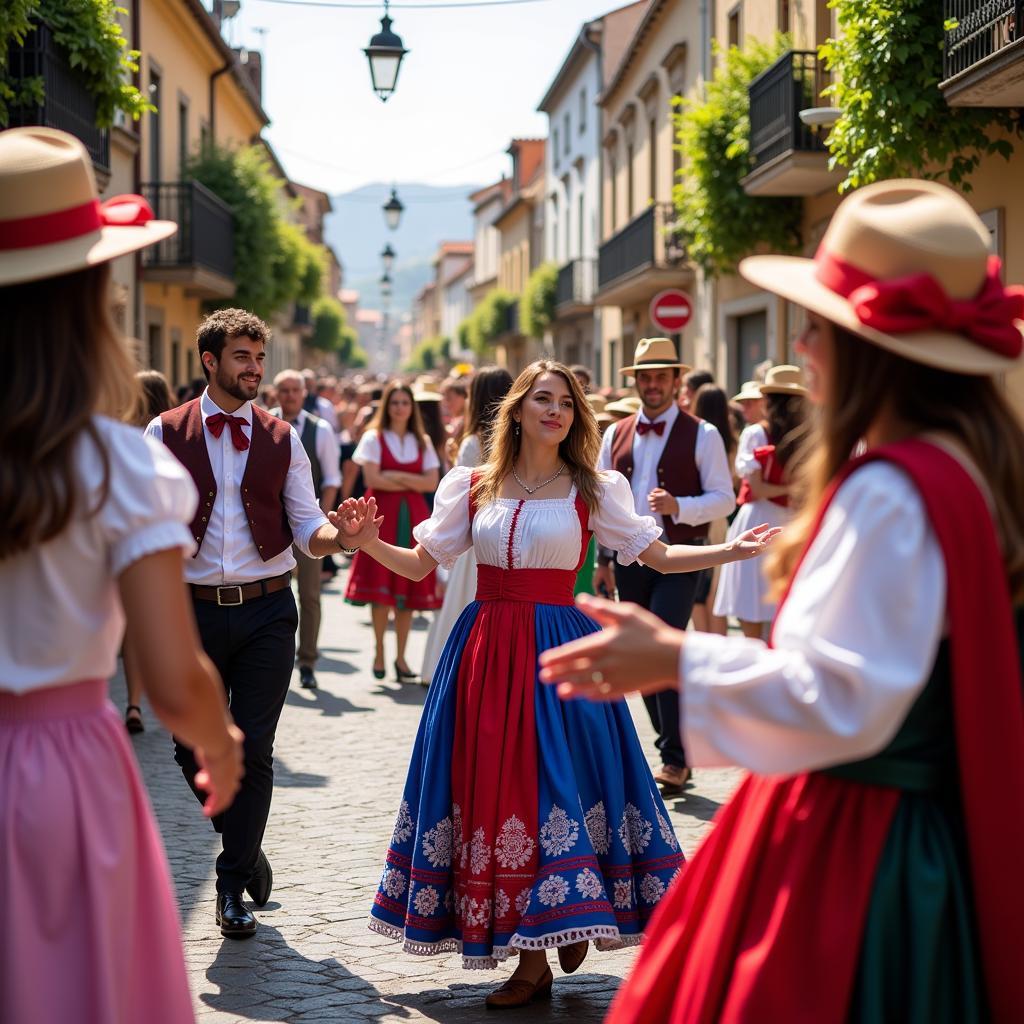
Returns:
(306, 678)
(236, 920)
(262, 881)
(405, 677)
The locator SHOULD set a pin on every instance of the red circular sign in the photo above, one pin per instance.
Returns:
(671, 310)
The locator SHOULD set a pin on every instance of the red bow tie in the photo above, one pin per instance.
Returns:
(216, 422)
(643, 427)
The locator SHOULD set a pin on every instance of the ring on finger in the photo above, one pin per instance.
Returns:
(597, 677)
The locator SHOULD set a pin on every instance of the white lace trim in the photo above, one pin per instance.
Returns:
(605, 938)
(640, 541)
(445, 556)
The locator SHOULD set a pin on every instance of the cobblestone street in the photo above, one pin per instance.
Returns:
(341, 757)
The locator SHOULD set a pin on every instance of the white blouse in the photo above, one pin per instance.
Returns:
(752, 437)
(541, 533)
(61, 619)
(855, 642)
(403, 448)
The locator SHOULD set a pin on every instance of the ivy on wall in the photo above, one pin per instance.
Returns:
(429, 354)
(537, 304)
(90, 36)
(487, 321)
(887, 63)
(333, 333)
(716, 220)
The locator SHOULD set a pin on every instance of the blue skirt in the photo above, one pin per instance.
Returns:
(527, 822)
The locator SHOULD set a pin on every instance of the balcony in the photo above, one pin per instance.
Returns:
(201, 256)
(789, 158)
(66, 102)
(511, 325)
(574, 293)
(642, 259)
(984, 58)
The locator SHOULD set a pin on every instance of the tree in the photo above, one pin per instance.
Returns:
(537, 305)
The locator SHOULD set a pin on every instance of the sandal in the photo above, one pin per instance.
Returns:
(133, 722)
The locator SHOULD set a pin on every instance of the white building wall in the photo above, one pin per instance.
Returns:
(485, 254)
(456, 305)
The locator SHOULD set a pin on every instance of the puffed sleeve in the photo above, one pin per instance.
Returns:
(469, 451)
(151, 499)
(752, 438)
(368, 449)
(430, 459)
(448, 532)
(615, 522)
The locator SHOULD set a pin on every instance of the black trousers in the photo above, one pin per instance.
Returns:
(253, 647)
(670, 597)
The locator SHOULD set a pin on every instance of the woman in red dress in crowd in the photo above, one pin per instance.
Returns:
(400, 466)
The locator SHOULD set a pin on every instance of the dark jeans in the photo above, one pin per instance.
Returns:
(253, 647)
(670, 597)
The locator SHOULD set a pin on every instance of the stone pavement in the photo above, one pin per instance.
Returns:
(341, 758)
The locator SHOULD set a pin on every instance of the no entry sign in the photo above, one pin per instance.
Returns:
(671, 310)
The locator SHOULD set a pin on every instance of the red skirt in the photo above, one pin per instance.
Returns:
(369, 582)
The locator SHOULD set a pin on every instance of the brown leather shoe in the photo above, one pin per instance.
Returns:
(570, 957)
(672, 779)
(518, 992)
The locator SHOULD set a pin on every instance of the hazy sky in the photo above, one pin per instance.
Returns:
(471, 81)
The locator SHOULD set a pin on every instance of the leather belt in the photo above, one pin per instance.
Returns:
(239, 593)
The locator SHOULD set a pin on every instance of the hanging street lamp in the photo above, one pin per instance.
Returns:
(393, 211)
(387, 257)
(385, 286)
(385, 54)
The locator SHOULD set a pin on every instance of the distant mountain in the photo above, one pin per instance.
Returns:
(357, 232)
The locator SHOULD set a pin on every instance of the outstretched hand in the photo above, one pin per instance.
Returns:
(356, 521)
(634, 653)
(754, 542)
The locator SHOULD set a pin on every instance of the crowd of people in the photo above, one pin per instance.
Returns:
(867, 867)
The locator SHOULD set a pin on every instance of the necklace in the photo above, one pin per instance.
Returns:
(533, 490)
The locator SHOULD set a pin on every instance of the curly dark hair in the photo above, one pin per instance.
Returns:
(215, 330)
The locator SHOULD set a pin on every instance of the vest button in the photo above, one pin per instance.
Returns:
(252, 522)
(210, 494)
(198, 541)
(204, 519)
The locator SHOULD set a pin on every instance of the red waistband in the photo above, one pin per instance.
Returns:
(539, 586)
(63, 701)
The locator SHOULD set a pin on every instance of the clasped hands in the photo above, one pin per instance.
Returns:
(356, 521)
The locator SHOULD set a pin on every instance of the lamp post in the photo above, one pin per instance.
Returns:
(387, 257)
(393, 211)
(385, 54)
(385, 286)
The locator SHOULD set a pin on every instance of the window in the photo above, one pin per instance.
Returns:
(155, 344)
(154, 126)
(734, 30)
(785, 15)
(554, 148)
(204, 134)
(174, 375)
(614, 204)
(629, 182)
(652, 184)
(583, 111)
(579, 224)
(182, 137)
(565, 125)
(677, 154)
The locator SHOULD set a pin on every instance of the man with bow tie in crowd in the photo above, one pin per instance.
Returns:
(255, 500)
(677, 468)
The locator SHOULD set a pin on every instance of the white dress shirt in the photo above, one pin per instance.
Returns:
(718, 499)
(854, 644)
(61, 619)
(404, 449)
(326, 441)
(228, 554)
(326, 412)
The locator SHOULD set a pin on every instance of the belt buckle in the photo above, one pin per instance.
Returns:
(229, 604)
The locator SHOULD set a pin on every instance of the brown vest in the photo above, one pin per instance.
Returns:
(266, 470)
(677, 470)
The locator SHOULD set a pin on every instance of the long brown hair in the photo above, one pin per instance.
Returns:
(712, 405)
(490, 385)
(66, 361)
(785, 419)
(973, 411)
(579, 450)
(382, 418)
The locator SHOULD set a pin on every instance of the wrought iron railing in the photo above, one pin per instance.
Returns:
(575, 283)
(66, 103)
(793, 83)
(981, 28)
(646, 241)
(206, 228)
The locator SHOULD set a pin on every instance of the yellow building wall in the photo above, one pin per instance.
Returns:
(514, 250)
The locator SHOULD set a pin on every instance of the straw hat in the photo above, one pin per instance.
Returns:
(426, 389)
(750, 391)
(51, 219)
(654, 354)
(783, 380)
(906, 265)
(597, 402)
(624, 406)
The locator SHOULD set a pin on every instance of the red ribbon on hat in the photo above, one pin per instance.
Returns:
(63, 225)
(918, 302)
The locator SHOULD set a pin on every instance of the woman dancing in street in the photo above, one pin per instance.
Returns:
(526, 824)
(870, 869)
(400, 466)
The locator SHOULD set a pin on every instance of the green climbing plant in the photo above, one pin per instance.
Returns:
(90, 35)
(537, 303)
(716, 220)
(886, 60)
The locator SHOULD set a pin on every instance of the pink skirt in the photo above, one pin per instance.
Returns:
(88, 923)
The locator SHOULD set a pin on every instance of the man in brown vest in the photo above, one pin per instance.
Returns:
(255, 498)
(677, 468)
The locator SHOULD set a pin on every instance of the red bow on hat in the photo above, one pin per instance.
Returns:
(62, 225)
(918, 302)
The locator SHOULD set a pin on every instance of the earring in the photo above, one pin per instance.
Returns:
(515, 429)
